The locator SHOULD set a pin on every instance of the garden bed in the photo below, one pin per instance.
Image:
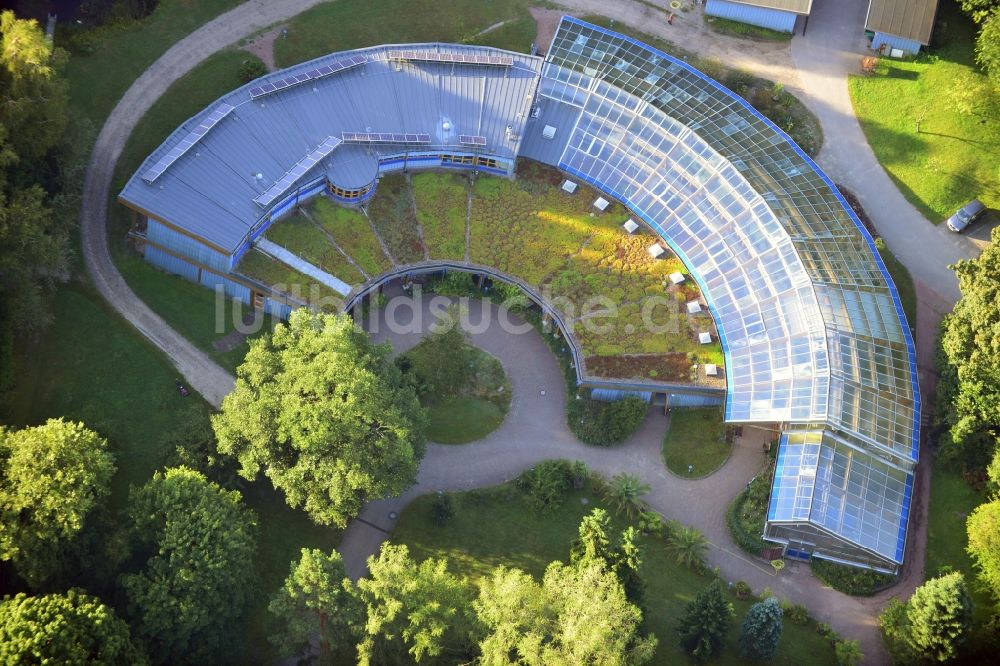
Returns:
(353, 233)
(257, 265)
(391, 212)
(442, 204)
(748, 512)
(299, 235)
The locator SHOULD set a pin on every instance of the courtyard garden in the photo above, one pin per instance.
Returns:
(465, 390)
(934, 121)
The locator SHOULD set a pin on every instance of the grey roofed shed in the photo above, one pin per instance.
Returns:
(209, 192)
(911, 19)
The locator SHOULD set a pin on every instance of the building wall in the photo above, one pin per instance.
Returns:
(186, 246)
(207, 278)
(760, 16)
(909, 46)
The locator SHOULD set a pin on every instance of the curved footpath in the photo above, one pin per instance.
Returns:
(535, 428)
(203, 374)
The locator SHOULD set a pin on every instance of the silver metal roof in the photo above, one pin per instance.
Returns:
(212, 175)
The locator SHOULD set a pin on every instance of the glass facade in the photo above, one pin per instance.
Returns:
(811, 325)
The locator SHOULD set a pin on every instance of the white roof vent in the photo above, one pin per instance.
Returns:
(601, 204)
(693, 307)
(705, 338)
(630, 226)
(712, 370)
(655, 250)
(548, 132)
(569, 186)
(677, 278)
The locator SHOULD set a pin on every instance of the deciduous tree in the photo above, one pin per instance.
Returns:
(417, 609)
(979, 10)
(195, 543)
(326, 415)
(51, 477)
(70, 628)
(988, 46)
(971, 364)
(983, 527)
(706, 622)
(578, 615)
(317, 599)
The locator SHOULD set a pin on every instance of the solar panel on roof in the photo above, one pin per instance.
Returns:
(472, 140)
(281, 185)
(192, 137)
(275, 85)
(384, 137)
(457, 58)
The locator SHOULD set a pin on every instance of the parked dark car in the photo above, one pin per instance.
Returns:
(968, 214)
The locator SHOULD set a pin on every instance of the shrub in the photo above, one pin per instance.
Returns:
(252, 68)
(688, 545)
(605, 423)
(651, 522)
(848, 652)
(895, 629)
(796, 613)
(742, 590)
(851, 580)
(747, 513)
(442, 509)
(625, 491)
(823, 629)
(546, 485)
(456, 283)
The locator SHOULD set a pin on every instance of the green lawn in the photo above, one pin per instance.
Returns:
(955, 156)
(462, 420)
(100, 77)
(952, 500)
(190, 309)
(496, 526)
(260, 267)
(903, 281)
(696, 437)
(351, 24)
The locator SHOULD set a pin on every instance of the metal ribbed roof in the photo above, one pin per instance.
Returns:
(911, 19)
(274, 134)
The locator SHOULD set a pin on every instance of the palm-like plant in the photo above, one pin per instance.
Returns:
(688, 545)
(625, 491)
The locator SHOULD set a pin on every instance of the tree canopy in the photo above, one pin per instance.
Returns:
(578, 615)
(939, 616)
(71, 628)
(326, 415)
(317, 599)
(34, 242)
(970, 386)
(988, 46)
(623, 559)
(51, 477)
(983, 527)
(762, 628)
(706, 622)
(979, 10)
(417, 609)
(195, 545)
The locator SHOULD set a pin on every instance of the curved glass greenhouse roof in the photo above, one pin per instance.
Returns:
(811, 325)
